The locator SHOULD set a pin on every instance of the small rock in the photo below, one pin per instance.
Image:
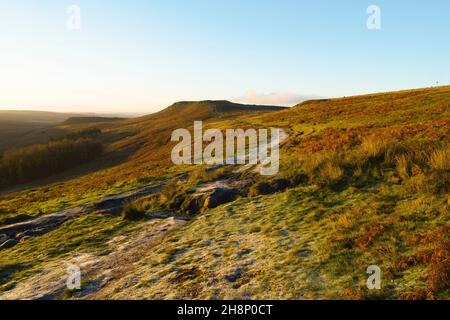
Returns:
(234, 275)
(27, 233)
(207, 243)
(25, 238)
(220, 196)
(281, 184)
(8, 244)
(3, 238)
(243, 252)
(194, 205)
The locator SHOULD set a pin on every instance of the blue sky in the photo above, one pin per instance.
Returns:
(142, 55)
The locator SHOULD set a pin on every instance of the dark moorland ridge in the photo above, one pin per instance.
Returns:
(89, 120)
(222, 106)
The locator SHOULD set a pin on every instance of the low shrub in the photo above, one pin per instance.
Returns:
(268, 187)
(132, 212)
(203, 174)
(260, 188)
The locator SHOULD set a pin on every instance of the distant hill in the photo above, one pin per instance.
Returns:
(220, 106)
(152, 132)
(211, 108)
(185, 112)
(88, 120)
(21, 128)
(36, 117)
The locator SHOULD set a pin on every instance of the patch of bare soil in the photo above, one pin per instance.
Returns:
(98, 273)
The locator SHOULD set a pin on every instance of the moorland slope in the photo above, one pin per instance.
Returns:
(363, 181)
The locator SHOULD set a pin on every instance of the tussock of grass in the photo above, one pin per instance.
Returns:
(203, 175)
(374, 148)
(330, 173)
(403, 166)
(440, 159)
(133, 212)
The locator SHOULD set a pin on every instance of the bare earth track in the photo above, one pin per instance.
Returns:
(101, 271)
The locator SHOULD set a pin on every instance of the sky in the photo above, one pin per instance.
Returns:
(143, 55)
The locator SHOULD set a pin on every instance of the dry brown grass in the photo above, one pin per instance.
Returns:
(436, 255)
(374, 146)
(208, 174)
(439, 275)
(403, 166)
(367, 238)
(440, 159)
(314, 161)
(330, 173)
(324, 167)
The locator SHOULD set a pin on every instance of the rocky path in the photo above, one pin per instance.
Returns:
(10, 235)
(97, 272)
(100, 273)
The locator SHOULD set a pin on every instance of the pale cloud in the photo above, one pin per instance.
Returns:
(275, 98)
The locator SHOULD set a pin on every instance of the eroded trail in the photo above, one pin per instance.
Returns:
(35, 227)
(100, 274)
(97, 272)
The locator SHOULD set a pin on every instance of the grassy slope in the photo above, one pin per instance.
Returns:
(130, 137)
(317, 239)
(144, 144)
(314, 240)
